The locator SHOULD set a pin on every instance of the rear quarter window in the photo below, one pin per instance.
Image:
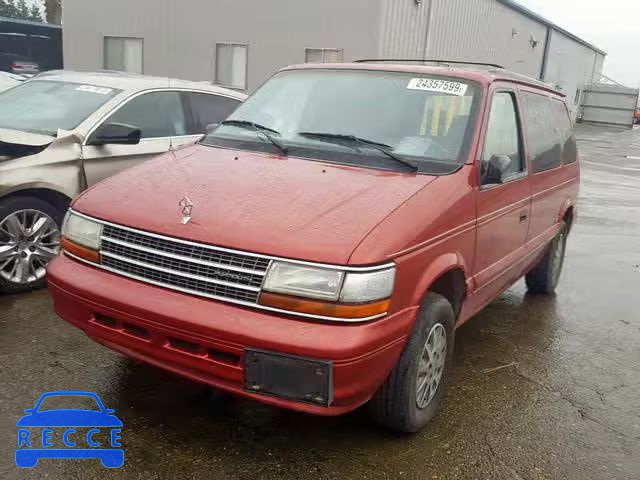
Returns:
(567, 137)
(207, 109)
(549, 133)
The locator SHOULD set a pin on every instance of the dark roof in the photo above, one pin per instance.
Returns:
(538, 18)
(29, 22)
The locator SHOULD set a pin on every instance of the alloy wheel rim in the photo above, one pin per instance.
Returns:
(28, 240)
(431, 367)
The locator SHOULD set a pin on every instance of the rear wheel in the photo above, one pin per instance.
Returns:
(545, 275)
(411, 395)
(29, 238)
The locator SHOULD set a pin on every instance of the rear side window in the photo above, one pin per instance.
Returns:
(207, 109)
(567, 138)
(549, 134)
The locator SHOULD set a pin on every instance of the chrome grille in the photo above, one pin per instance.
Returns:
(196, 269)
(209, 254)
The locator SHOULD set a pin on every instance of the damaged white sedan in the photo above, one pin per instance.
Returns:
(61, 132)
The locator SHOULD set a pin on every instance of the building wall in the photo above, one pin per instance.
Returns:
(571, 66)
(180, 37)
(599, 66)
(403, 30)
(485, 30)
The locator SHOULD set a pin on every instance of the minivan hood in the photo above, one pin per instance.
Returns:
(256, 202)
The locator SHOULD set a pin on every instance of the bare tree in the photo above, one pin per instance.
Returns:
(53, 9)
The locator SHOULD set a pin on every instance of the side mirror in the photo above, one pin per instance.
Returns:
(29, 410)
(116, 134)
(109, 411)
(497, 167)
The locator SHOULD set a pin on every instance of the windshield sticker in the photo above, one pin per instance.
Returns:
(442, 86)
(92, 89)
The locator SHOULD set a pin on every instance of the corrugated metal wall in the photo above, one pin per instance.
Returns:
(485, 30)
(571, 66)
(610, 104)
(403, 28)
(180, 37)
(599, 68)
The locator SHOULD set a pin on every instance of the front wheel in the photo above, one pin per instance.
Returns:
(411, 395)
(29, 238)
(545, 275)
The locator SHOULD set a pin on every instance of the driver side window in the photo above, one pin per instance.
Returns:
(156, 114)
(503, 136)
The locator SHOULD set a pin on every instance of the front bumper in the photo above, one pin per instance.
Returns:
(206, 340)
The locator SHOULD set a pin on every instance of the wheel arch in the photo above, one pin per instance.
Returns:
(446, 276)
(568, 212)
(47, 194)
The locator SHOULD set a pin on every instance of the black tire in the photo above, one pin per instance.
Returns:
(544, 277)
(13, 204)
(395, 405)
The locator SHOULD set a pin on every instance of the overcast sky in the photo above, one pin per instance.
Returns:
(611, 25)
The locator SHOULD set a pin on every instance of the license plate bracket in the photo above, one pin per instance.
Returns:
(296, 378)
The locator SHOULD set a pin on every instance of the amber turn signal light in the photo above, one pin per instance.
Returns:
(324, 309)
(79, 251)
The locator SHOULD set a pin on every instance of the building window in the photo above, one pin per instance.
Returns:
(123, 54)
(231, 65)
(323, 55)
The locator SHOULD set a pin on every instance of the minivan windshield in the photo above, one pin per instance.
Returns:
(44, 106)
(377, 119)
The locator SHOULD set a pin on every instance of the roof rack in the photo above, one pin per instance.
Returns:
(426, 60)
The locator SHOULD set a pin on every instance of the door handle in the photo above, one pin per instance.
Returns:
(524, 216)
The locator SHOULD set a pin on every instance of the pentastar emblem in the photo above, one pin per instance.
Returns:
(186, 207)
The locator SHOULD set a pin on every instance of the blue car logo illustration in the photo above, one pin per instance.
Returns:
(34, 445)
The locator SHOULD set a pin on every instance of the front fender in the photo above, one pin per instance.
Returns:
(56, 169)
(436, 269)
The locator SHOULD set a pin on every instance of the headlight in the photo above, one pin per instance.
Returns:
(303, 281)
(82, 231)
(328, 293)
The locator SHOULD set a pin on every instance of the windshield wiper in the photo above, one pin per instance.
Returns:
(260, 130)
(358, 141)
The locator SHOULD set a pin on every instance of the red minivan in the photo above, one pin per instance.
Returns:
(317, 250)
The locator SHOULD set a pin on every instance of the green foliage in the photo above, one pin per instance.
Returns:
(20, 10)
